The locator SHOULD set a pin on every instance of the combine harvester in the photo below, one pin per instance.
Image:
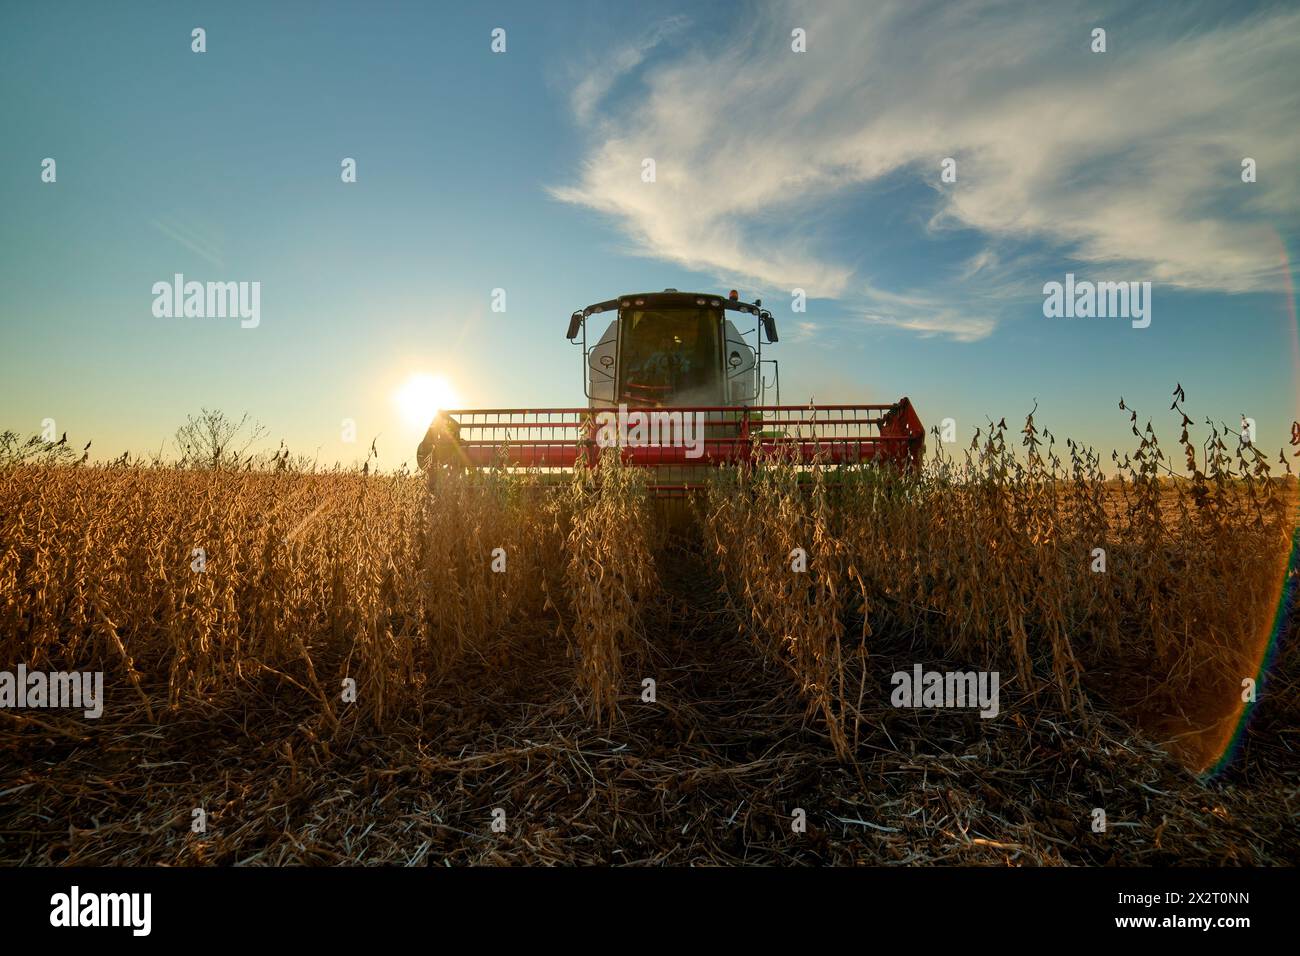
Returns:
(679, 389)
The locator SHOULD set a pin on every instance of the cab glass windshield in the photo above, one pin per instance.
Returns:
(671, 355)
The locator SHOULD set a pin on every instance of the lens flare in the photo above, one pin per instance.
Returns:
(421, 396)
(1220, 753)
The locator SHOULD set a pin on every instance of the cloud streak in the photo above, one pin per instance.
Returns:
(1125, 159)
(595, 85)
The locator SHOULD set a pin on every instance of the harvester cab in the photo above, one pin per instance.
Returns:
(675, 384)
(675, 349)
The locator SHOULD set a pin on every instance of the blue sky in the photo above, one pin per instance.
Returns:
(775, 170)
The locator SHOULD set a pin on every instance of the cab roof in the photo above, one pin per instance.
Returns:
(670, 298)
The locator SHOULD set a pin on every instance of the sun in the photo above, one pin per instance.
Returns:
(420, 397)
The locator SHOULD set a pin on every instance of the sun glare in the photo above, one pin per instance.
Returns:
(420, 396)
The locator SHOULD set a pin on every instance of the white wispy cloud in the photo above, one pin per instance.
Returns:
(190, 237)
(610, 67)
(803, 331)
(1129, 158)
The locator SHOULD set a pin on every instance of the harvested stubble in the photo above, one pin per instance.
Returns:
(520, 690)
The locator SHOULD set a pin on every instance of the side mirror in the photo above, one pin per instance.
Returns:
(575, 323)
(769, 326)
